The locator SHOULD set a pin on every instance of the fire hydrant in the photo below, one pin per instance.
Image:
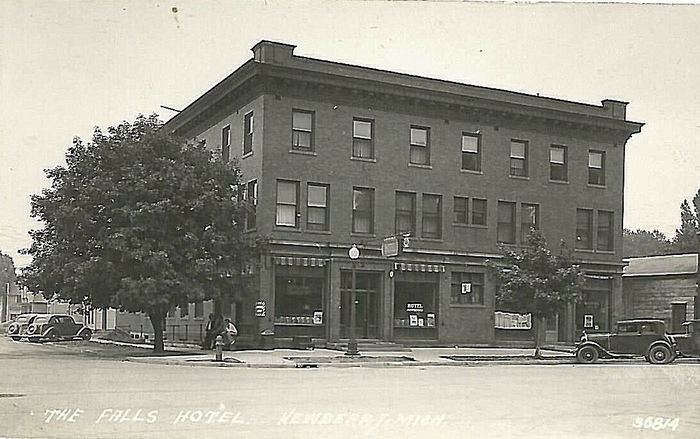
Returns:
(219, 347)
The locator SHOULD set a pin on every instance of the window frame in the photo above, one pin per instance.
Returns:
(525, 161)
(474, 211)
(511, 224)
(456, 296)
(296, 204)
(610, 227)
(226, 143)
(248, 129)
(600, 181)
(356, 139)
(398, 211)
(310, 131)
(413, 145)
(464, 213)
(427, 215)
(564, 166)
(369, 213)
(525, 226)
(466, 154)
(251, 217)
(313, 226)
(577, 241)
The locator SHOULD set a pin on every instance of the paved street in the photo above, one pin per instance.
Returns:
(58, 391)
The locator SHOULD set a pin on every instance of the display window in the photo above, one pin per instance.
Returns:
(299, 300)
(415, 310)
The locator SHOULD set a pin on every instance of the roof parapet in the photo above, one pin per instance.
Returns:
(272, 52)
(616, 109)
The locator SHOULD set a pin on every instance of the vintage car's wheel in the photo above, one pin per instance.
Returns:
(587, 355)
(660, 354)
(86, 335)
(52, 335)
(16, 338)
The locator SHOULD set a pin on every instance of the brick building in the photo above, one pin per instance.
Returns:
(336, 155)
(664, 287)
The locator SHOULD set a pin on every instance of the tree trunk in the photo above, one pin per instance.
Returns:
(157, 321)
(539, 332)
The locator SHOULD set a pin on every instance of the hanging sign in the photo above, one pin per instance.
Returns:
(390, 247)
(260, 309)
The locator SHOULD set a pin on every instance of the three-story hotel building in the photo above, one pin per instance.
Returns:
(336, 155)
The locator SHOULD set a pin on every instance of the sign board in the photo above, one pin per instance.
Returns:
(260, 310)
(512, 320)
(390, 247)
(430, 320)
(318, 317)
(414, 308)
(466, 287)
(413, 320)
(588, 321)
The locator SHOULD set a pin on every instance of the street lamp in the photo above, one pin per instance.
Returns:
(354, 254)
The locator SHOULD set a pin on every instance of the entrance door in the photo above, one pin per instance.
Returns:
(366, 304)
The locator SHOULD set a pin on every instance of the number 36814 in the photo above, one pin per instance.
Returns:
(656, 423)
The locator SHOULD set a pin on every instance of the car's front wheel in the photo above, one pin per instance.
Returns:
(52, 335)
(86, 335)
(660, 354)
(587, 355)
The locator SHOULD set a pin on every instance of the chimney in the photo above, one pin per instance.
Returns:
(615, 109)
(272, 52)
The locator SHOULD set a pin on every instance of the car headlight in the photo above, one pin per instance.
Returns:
(31, 329)
(12, 328)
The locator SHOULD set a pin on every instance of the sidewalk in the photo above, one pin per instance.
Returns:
(294, 358)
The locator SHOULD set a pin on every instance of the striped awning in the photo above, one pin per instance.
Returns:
(422, 268)
(300, 262)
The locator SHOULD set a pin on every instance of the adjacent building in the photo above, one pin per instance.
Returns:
(336, 156)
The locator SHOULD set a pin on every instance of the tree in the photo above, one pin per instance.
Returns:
(7, 272)
(644, 243)
(139, 220)
(686, 239)
(535, 280)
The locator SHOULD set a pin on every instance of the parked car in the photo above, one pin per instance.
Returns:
(688, 343)
(631, 338)
(18, 328)
(54, 327)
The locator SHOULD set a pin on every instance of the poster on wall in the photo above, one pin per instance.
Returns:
(588, 321)
(318, 317)
(430, 320)
(413, 320)
(260, 308)
(466, 287)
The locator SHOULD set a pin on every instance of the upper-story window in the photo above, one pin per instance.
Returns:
(363, 138)
(248, 133)
(506, 222)
(287, 203)
(362, 210)
(478, 212)
(432, 216)
(469, 211)
(605, 230)
(471, 152)
(405, 214)
(420, 146)
(584, 229)
(226, 143)
(596, 167)
(302, 130)
(518, 158)
(558, 170)
(317, 207)
(461, 210)
(529, 214)
(251, 195)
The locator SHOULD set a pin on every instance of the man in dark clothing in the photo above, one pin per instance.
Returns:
(209, 336)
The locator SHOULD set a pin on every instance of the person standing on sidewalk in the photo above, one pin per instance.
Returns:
(230, 333)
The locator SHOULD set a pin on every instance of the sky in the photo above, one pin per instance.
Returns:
(68, 66)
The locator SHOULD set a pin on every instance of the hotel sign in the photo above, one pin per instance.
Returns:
(390, 247)
(414, 308)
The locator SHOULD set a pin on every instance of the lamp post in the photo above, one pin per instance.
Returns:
(354, 254)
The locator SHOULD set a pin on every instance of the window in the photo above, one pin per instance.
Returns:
(471, 152)
(506, 222)
(478, 212)
(432, 216)
(251, 207)
(405, 219)
(248, 133)
(529, 219)
(420, 146)
(584, 229)
(199, 309)
(302, 130)
(362, 210)
(596, 168)
(518, 158)
(362, 138)
(605, 230)
(461, 210)
(287, 207)
(317, 207)
(467, 289)
(226, 143)
(557, 163)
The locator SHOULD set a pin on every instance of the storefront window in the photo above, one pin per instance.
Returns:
(299, 300)
(415, 310)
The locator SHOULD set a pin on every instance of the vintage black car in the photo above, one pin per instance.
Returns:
(688, 343)
(632, 338)
(54, 327)
(18, 328)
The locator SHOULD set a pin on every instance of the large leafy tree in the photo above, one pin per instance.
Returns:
(686, 239)
(644, 243)
(535, 280)
(139, 220)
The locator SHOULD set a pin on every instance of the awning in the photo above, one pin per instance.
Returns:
(423, 268)
(300, 262)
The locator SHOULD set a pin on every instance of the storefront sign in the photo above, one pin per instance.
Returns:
(414, 308)
(318, 317)
(588, 321)
(260, 310)
(466, 287)
(512, 320)
(390, 247)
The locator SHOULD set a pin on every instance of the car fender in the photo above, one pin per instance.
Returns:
(47, 330)
(81, 330)
(668, 345)
(600, 348)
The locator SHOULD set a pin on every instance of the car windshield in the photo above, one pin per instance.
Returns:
(23, 318)
(40, 320)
